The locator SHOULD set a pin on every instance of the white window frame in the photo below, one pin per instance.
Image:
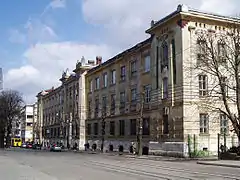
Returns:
(147, 63)
(203, 85)
(204, 123)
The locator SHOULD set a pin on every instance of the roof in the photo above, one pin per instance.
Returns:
(111, 60)
(185, 9)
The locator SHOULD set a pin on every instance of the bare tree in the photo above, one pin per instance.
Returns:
(11, 103)
(218, 68)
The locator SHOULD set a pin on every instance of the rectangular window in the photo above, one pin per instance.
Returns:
(95, 128)
(112, 128)
(89, 107)
(204, 121)
(104, 104)
(201, 52)
(122, 99)
(96, 107)
(222, 52)
(121, 127)
(105, 80)
(146, 128)
(134, 95)
(147, 91)
(89, 129)
(174, 61)
(223, 83)
(165, 124)
(165, 88)
(133, 126)
(223, 124)
(147, 63)
(29, 116)
(97, 83)
(123, 73)
(113, 77)
(202, 85)
(113, 101)
(133, 66)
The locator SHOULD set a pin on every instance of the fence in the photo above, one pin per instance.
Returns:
(209, 145)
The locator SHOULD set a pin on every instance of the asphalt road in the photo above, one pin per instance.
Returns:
(44, 165)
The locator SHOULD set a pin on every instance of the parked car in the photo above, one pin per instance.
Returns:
(37, 146)
(29, 146)
(55, 148)
(24, 145)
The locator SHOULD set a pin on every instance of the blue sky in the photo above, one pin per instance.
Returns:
(41, 38)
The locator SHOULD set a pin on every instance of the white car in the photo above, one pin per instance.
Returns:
(55, 148)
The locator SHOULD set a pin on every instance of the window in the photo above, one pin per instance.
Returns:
(29, 116)
(146, 128)
(147, 63)
(113, 100)
(133, 68)
(134, 95)
(223, 83)
(147, 90)
(123, 73)
(202, 85)
(97, 83)
(104, 104)
(165, 88)
(174, 62)
(89, 129)
(164, 54)
(222, 52)
(29, 124)
(201, 49)
(105, 79)
(122, 99)
(121, 127)
(133, 126)
(96, 106)
(89, 106)
(113, 77)
(95, 128)
(165, 124)
(204, 123)
(223, 124)
(112, 128)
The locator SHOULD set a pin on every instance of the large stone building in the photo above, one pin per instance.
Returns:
(175, 92)
(113, 96)
(61, 110)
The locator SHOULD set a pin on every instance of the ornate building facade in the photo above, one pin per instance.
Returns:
(61, 112)
(161, 68)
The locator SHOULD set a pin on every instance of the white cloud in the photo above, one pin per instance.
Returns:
(58, 3)
(124, 23)
(128, 20)
(45, 63)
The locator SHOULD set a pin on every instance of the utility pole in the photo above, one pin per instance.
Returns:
(140, 126)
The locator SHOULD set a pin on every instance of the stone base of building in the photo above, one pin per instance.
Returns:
(178, 149)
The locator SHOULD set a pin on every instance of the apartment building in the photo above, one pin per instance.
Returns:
(175, 95)
(62, 109)
(27, 123)
(114, 91)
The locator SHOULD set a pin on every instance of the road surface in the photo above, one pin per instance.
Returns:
(23, 164)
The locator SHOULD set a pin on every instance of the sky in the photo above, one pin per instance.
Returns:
(39, 39)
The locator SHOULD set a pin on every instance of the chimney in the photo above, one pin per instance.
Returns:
(152, 23)
(99, 60)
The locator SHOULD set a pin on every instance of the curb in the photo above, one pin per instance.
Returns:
(217, 164)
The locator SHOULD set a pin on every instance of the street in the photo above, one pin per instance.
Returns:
(22, 164)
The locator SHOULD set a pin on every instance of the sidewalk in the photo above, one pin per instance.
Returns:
(223, 163)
